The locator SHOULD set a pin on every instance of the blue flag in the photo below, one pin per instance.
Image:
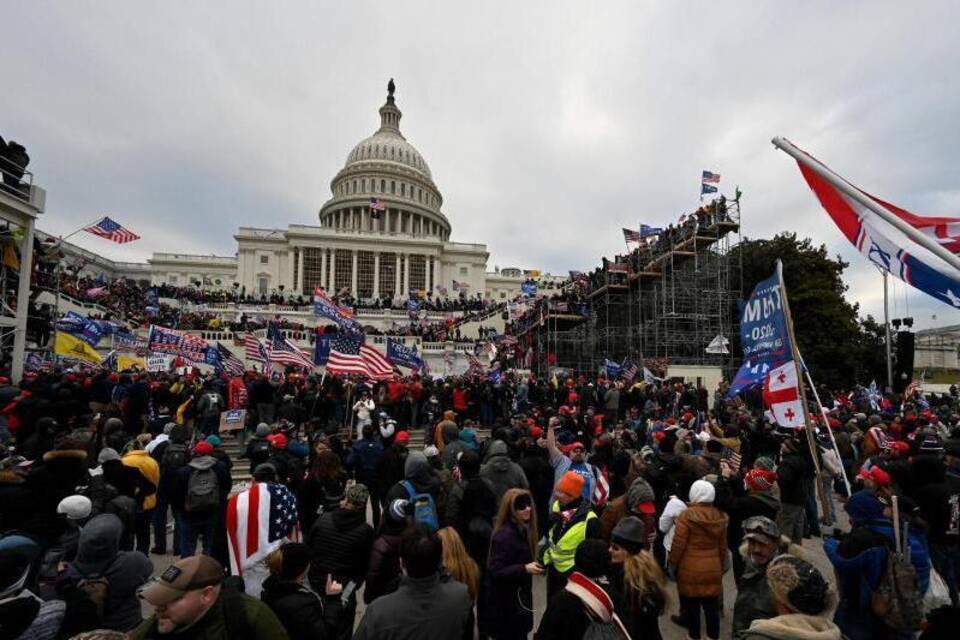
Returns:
(646, 231)
(612, 368)
(707, 188)
(763, 324)
(750, 375)
(402, 355)
(321, 350)
(528, 288)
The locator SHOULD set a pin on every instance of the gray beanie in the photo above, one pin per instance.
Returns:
(263, 430)
(107, 454)
(630, 534)
(167, 428)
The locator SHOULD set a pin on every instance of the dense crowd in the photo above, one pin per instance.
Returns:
(633, 500)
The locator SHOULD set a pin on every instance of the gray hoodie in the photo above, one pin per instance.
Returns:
(500, 472)
(98, 554)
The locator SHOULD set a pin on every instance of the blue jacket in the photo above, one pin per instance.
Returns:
(860, 574)
(365, 456)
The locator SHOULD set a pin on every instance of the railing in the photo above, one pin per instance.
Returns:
(15, 180)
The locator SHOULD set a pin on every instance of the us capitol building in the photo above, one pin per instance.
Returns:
(403, 248)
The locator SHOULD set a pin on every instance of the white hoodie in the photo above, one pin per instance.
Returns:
(675, 506)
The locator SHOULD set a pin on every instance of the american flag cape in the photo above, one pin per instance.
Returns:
(111, 230)
(259, 520)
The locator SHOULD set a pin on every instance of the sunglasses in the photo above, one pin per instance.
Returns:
(522, 502)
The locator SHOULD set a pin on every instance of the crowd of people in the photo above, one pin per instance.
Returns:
(633, 501)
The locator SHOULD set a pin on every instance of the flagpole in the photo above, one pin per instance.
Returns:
(811, 443)
(886, 327)
(826, 425)
(848, 189)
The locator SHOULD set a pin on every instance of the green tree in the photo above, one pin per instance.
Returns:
(840, 349)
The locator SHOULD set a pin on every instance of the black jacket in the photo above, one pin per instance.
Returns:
(795, 476)
(301, 611)
(421, 609)
(341, 542)
(383, 574)
(733, 500)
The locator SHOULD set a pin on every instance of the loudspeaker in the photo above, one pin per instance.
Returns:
(903, 370)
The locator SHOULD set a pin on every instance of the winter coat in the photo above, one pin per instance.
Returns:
(250, 616)
(795, 477)
(390, 470)
(364, 459)
(699, 550)
(181, 483)
(471, 508)
(754, 598)
(58, 476)
(424, 479)
(421, 609)
(340, 541)
(26, 617)
(509, 588)
(383, 572)
(318, 496)
(566, 616)
(502, 473)
(301, 611)
(150, 470)
(98, 555)
(794, 626)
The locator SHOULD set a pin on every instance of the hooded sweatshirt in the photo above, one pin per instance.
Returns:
(793, 626)
(423, 477)
(98, 555)
(502, 473)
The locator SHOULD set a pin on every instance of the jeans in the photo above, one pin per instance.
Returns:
(792, 521)
(812, 525)
(192, 530)
(946, 560)
(160, 527)
(690, 612)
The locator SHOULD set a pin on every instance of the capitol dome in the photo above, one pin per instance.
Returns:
(387, 170)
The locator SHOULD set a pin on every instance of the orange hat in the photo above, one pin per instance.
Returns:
(571, 484)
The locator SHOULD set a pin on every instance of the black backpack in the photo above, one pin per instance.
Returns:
(174, 457)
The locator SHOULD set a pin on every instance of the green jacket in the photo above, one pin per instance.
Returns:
(754, 599)
(254, 621)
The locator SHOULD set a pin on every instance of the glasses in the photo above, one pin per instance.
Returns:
(522, 502)
(577, 450)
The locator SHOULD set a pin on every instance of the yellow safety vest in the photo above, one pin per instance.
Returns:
(561, 553)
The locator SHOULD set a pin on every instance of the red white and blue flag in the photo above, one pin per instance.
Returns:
(710, 177)
(260, 520)
(350, 355)
(886, 246)
(376, 208)
(111, 230)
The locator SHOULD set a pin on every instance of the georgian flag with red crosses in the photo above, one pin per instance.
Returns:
(781, 394)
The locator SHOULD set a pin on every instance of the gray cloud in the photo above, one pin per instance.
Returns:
(548, 126)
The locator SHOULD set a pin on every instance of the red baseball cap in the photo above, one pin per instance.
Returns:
(402, 437)
(876, 474)
(573, 445)
(536, 432)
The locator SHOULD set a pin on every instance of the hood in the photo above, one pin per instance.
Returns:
(202, 463)
(795, 626)
(706, 517)
(863, 506)
(417, 470)
(767, 498)
(469, 436)
(78, 456)
(274, 588)
(99, 543)
(498, 448)
(179, 434)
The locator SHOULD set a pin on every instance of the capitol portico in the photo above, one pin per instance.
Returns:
(398, 247)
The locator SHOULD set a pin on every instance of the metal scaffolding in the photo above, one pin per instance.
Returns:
(667, 306)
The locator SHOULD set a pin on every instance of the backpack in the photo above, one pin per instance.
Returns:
(97, 589)
(424, 508)
(897, 600)
(174, 457)
(259, 450)
(213, 406)
(203, 491)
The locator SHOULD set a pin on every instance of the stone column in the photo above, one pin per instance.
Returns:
(323, 268)
(406, 275)
(299, 267)
(376, 274)
(429, 274)
(333, 271)
(396, 277)
(353, 275)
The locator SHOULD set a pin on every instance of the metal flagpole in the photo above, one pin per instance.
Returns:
(801, 388)
(848, 189)
(826, 425)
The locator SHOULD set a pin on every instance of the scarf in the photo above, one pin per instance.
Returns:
(598, 604)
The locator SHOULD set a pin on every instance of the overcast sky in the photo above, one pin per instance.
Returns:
(548, 126)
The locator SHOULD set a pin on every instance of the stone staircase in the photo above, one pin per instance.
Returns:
(241, 467)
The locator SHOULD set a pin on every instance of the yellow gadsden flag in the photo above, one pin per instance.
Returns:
(70, 347)
(125, 362)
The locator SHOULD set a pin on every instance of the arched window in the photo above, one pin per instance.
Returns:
(383, 186)
(393, 186)
(403, 189)
(363, 185)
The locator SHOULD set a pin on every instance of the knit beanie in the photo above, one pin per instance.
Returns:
(763, 462)
(571, 483)
(107, 454)
(630, 534)
(702, 491)
(214, 440)
(798, 585)
(592, 558)
(168, 428)
(639, 493)
(263, 430)
(75, 507)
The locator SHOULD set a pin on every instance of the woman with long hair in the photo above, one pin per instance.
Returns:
(458, 562)
(511, 566)
(323, 487)
(638, 576)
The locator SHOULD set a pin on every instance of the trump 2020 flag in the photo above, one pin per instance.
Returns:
(402, 355)
(781, 394)
(889, 248)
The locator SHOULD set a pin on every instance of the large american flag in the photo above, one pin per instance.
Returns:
(259, 520)
(629, 235)
(253, 349)
(350, 355)
(107, 228)
(231, 363)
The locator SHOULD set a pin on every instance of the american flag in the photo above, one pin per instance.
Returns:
(349, 355)
(110, 230)
(629, 235)
(601, 489)
(732, 458)
(283, 351)
(376, 207)
(252, 349)
(629, 371)
(231, 363)
(710, 177)
(193, 348)
(259, 520)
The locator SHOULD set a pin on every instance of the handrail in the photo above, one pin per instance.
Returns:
(12, 180)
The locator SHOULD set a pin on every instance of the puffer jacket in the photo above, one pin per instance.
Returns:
(699, 550)
(501, 473)
(794, 626)
(301, 611)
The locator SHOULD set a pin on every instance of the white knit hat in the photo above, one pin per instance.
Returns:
(75, 507)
